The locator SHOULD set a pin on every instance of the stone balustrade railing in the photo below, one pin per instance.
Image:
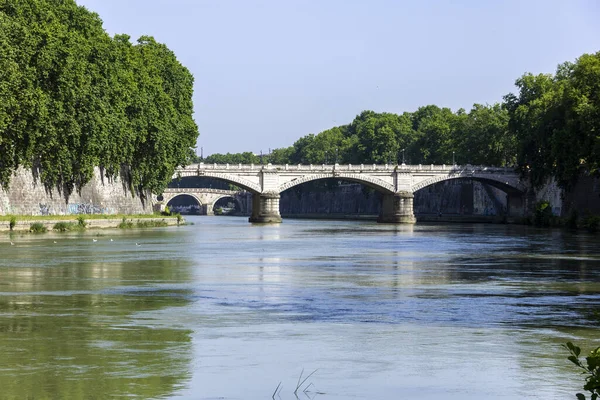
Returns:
(201, 190)
(353, 167)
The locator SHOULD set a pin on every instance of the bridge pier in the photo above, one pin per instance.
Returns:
(397, 208)
(265, 208)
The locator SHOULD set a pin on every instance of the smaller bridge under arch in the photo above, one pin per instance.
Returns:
(186, 204)
(207, 198)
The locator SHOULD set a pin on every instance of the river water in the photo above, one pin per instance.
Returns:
(223, 309)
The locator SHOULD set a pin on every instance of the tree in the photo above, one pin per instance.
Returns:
(433, 126)
(73, 98)
(482, 136)
(556, 120)
(533, 116)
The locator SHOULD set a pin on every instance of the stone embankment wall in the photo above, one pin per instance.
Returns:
(450, 198)
(28, 196)
(346, 199)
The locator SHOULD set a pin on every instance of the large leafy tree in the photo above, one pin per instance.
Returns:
(72, 98)
(556, 119)
(533, 118)
(581, 104)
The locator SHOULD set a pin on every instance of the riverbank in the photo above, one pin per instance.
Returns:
(23, 223)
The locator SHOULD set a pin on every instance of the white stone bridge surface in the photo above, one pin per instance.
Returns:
(397, 183)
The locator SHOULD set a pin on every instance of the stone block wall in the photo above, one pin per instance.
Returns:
(28, 196)
(551, 193)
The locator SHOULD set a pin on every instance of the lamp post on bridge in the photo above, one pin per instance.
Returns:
(326, 161)
(336, 155)
(453, 162)
(403, 156)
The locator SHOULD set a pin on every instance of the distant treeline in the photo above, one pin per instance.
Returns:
(73, 98)
(549, 128)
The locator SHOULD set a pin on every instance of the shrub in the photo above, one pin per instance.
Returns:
(37, 227)
(572, 219)
(591, 223)
(591, 369)
(125, 224)
(166, 212)
(13, 222)
(81, 222)
(543, 214)
(63, 226)
(179, 219)
(218, 211)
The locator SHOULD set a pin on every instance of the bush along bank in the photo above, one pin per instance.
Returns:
(543, 217)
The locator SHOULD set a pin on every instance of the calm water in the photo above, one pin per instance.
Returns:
(226, 310)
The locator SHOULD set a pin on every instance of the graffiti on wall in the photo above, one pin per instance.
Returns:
(88, 208)
(44, 209)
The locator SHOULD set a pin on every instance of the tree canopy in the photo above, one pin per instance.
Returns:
(73, 98)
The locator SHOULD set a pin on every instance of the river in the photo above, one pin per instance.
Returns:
(223, 309)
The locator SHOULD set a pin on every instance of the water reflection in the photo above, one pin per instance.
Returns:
(70, 327)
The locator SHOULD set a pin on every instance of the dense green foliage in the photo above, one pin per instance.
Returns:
(64, 226)
(72, 98)
(37, 227)
(235, 158)
(590, 368)
(550, 128)
(556, 120)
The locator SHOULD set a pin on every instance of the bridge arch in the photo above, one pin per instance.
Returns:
(373, 182)
(169, 197)
(500, 182)
(237, 201)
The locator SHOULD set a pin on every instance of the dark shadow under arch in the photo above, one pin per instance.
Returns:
(371, 182)
(330, 198)
(505, 187)
(224, 203)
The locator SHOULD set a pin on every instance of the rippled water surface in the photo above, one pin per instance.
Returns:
(225, 309)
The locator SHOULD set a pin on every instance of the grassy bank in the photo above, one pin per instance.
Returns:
(67, 223)
(74, 217)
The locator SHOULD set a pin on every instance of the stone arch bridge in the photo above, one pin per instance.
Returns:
(207, 198)
(397, 183)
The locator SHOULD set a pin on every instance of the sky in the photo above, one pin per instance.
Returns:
(268, 72)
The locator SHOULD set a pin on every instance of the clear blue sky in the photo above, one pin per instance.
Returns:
(270, 71)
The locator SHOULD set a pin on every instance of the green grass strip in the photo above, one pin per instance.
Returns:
(74, 217)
